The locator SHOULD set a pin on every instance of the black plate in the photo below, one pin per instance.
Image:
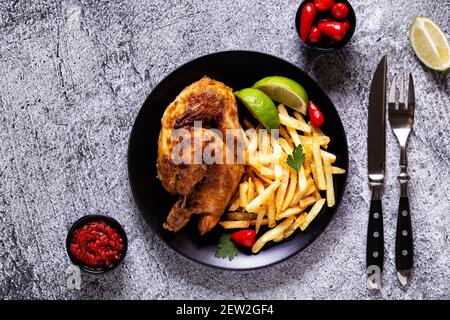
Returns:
(237, 69)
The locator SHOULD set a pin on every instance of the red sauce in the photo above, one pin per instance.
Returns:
(97, 244)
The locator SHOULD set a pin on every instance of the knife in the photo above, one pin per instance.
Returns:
(376, 150)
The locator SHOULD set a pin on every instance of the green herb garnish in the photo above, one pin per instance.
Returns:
(295, 160)
(226, 248)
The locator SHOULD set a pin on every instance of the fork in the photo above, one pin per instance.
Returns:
(401, 118)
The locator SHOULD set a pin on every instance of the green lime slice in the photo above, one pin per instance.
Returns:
(261, 107)
(430, 44)
(285, 91)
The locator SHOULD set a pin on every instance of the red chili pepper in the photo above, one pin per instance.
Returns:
(324, 20)
(347, 24)
(334, 30)
(324, 5)
(339, 11)
(315, 35)
(306, 20)
(315, 115)
(245, 238)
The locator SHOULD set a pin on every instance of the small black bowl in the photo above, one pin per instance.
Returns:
(96, 217)
(351, 18)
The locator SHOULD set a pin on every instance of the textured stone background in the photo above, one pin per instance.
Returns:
(73, 77)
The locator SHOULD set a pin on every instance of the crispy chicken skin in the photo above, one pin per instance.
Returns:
(204, 189)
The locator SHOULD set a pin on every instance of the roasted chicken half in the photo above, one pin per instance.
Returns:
(203, 189)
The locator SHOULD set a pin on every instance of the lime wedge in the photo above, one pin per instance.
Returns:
(285, 91)
(430, 44)
(261, 106)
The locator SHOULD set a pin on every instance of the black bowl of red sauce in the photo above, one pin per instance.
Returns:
(327, 44)
(96, 243)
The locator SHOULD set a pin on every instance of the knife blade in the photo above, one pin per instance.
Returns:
(377, 123)
(376, 152)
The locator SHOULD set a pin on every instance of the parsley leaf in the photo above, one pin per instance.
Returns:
(295, 160)
(226, 248)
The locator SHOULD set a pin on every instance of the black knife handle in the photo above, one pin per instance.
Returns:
(375, 237)
(404, 250)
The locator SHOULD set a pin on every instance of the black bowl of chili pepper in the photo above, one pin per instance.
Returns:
(96, 243)
(325, 25)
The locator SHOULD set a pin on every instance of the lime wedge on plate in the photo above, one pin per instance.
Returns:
(285, 91)
(261, 106)
(430, 44)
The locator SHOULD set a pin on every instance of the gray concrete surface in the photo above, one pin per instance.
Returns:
(73, 77)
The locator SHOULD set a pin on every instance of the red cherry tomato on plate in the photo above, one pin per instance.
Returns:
(315, 35)
(315, 115)
(307, 17)
(334, 30)
(323, 5)
(339, 11)
(245, 238)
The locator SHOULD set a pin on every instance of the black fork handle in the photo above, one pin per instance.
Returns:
(404, 251)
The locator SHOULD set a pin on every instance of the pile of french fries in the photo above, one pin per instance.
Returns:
(272, 193)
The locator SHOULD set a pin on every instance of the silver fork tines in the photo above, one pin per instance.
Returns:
(401, 117)
(401, 99)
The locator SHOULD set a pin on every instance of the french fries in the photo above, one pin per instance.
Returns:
(306, 202)
(279, 238)
(262, 198)
(250, 190)
(238, 216)
(300, 118)
(293, 181)
(243, 190)
(273, 198)
(235, 203)
(286, 146)
(297, 223)
(271, 211)
(329, 179)
(326, 155)
(289, 121)
(294, 136)
(336, 170)
(281, 192)
(323, 140)
(312, 214)
(242, 224)
(259, 218)
(289, 212)
(259, 186)
(321, 183)
(272, 234)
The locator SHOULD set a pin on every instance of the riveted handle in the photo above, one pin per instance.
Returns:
(375, 236)
(404, 250)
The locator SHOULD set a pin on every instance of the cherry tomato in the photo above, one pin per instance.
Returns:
(323, 5)
(315, 35)
(339, 11)
(307, 17)
(245, 238)
(334, 30)
(315, 115)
